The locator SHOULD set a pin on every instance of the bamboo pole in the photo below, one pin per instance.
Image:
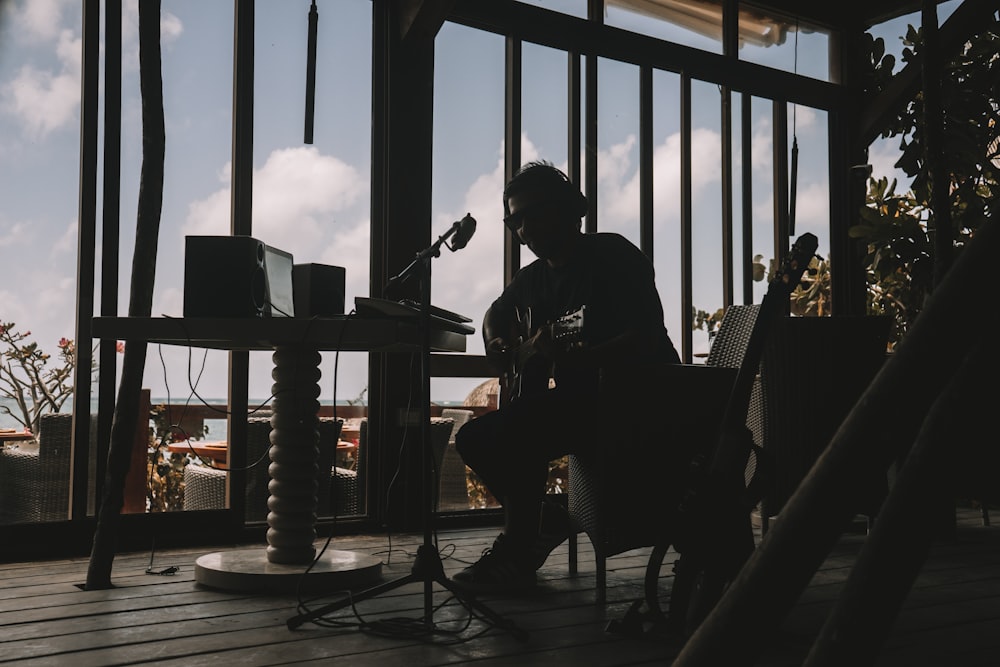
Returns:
(878, 429)
(892, 556)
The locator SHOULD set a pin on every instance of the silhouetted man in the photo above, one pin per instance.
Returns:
(586, 314)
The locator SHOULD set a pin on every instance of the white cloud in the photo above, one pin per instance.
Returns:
(16, 234)
(484, 201)
(812, 209)
(45, 100)
(882, 156)
(293, 193)
(349, 248)
(618, 195)
(66, 244)
(760, 146)
(171, 29)
(37, 20)
(802, 116)
(43, 310)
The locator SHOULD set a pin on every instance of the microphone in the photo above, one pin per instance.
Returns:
(461, 232)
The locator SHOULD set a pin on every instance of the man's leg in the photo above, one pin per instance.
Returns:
(510, 450)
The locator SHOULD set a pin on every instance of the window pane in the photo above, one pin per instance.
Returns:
(468, 173)
(576, 8)
(666, 198)
(792, 47)
(706, 203)
(618, 148)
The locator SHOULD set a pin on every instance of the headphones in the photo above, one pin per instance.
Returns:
(542, 175)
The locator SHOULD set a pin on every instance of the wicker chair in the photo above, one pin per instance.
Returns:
(633, 507)
(453, 488)
(34, 478)
(205, 487)
(441, 431)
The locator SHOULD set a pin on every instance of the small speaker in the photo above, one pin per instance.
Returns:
(236, 276)
(319, 290)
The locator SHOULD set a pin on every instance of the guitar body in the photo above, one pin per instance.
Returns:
(529, 372)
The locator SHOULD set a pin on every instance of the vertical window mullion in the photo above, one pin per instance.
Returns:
(780, 157)
(646, 160)
(746, 134)
(573, 119)
(590, 183)
(687, 290)
(512, 145)
(727, 195)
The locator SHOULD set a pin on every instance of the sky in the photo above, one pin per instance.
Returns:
(313, 200)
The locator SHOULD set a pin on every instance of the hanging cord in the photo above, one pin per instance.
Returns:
(311, 74)
(795, 146)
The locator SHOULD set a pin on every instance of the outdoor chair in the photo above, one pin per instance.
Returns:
(35, 476)
(205, 486)
(453, 489)
(442, 429)
(629, 502)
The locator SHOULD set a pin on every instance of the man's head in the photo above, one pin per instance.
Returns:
(543, 208)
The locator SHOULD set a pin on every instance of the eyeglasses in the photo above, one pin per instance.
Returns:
(516, 219)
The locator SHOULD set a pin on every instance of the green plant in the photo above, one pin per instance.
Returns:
(900, 229)
(165, 481)
(37, 383)
(165, 470)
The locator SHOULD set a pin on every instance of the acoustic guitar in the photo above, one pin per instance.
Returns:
(528, 371)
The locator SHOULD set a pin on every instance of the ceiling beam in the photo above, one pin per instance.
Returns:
(422, 18)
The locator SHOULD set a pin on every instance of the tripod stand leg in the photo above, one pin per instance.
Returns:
(427, 568)
(297, 621)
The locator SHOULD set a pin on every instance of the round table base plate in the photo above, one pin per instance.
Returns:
(249, 570)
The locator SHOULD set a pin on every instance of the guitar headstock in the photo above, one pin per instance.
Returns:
(789, 273)
(568, 326)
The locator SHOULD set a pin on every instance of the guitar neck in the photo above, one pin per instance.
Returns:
(772, 306)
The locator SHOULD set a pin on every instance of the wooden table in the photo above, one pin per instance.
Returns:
(217, 452)
(15, 436)
(351, 430)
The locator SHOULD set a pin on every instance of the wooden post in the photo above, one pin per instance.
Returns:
(137, 477)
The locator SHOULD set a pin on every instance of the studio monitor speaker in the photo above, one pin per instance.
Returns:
(319, 290)
(236, 276)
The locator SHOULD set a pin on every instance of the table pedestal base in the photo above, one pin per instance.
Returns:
(248, 570)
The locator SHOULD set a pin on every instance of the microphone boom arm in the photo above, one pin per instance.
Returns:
(425, 255)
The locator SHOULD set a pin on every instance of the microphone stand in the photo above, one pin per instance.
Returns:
(427, 567)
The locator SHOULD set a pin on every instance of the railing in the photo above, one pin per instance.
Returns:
(190, 418)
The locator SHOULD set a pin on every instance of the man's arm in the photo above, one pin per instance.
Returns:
(496, 331)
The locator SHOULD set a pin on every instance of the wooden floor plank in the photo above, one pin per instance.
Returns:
(951, 616)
